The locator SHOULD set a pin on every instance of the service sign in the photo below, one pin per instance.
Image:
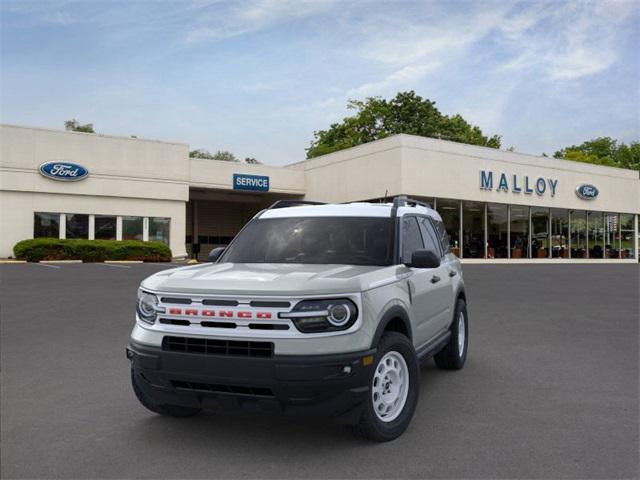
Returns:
(63, 171)
(254, 183)
(586, 191)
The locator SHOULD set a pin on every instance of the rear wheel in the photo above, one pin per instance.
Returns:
(149, 404)
(454, 354)
(394, 390)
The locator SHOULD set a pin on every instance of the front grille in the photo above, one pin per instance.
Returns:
(209, 346)
(215, 388)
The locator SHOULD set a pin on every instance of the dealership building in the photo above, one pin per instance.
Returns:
(497, 206)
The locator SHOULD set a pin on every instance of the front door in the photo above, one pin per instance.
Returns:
(430, 288)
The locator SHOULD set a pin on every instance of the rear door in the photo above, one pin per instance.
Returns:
(445, 291)
(426, 285)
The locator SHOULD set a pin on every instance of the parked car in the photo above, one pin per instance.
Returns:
(311, 310)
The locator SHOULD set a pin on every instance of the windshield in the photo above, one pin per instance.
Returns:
(341, 240)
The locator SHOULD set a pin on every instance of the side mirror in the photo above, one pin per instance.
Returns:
(214, 254)
(424, 259)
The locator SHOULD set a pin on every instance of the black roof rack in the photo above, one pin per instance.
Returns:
(403, 200)
(293, 203)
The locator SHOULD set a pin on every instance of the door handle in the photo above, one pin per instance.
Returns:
(452, 273)
(435, 279)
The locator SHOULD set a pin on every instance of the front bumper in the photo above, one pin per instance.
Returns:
(313, 385)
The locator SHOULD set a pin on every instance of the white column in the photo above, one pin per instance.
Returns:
(635, 237)
(118, 228)
(486, 233)
(194, 213)
(92, 227)
(145, 229)
(569, 239)
(460, 231)
(529, 252)
(63, 226)
(509, 231)
(549, 246)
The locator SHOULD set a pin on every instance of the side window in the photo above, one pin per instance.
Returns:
(442, 235)
(431, 241)
(411, 238)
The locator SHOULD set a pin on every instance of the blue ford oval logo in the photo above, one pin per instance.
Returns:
(64, 171)
(586, 191)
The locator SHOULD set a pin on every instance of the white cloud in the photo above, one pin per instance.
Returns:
(405, 77)
(251, 16)
(565, 41)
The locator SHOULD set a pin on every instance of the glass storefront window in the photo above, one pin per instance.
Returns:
(559, 233)
(449, 210)
(472, 230)
(519, 240)
(77, 226)
(578, 234)
(132, 228)
(159, 229)
(539, 232)
(105, 227)
(611, 235)
(596, 234)
(46, 225)
(497, 231)
(626, 237)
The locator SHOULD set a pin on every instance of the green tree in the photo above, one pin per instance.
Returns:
(603, 151)
(219, 155)
(377, 118)
(74, 126)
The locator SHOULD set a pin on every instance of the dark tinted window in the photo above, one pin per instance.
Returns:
(105, 227)
(77, 226)
(411, 238)
(429, 236)
(46, 225)
(338, 240)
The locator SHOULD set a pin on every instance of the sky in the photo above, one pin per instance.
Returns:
(258, 77)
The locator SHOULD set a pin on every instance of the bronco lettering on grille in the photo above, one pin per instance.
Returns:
(244, 314)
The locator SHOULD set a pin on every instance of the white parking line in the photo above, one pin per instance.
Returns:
(47, 265)
(114, 265)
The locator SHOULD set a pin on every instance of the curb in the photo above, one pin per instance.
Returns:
(7, 261)
(123, 261)
(60, 261)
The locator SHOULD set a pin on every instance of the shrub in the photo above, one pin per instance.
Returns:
(36, 249)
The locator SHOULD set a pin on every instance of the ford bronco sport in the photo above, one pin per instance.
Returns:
(312, 310)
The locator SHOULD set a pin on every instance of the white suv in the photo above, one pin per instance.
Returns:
(313, 309)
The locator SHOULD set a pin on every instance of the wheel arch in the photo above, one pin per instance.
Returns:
(395, 319)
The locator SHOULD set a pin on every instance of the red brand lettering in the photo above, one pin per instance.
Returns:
(263, 315)
(191, 311)
(244, 314)
(208, 313)
(228, 313)
(175, 311)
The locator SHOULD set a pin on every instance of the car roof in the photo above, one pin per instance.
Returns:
(356, 209)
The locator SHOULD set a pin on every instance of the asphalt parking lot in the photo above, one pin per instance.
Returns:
(550, 389)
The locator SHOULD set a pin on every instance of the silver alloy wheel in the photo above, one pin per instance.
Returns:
(390, 386)
(461, 334)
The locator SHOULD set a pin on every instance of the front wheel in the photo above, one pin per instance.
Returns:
(454, 354)
(394, 390)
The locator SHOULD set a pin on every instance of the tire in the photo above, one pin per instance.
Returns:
(451, 357)
(167, 410)
(395, 354)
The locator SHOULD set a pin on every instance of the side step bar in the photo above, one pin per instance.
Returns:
(429, 349)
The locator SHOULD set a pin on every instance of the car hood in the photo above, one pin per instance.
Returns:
(269, 279)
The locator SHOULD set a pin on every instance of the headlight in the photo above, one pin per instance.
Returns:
(148, 307)
(314, 316)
